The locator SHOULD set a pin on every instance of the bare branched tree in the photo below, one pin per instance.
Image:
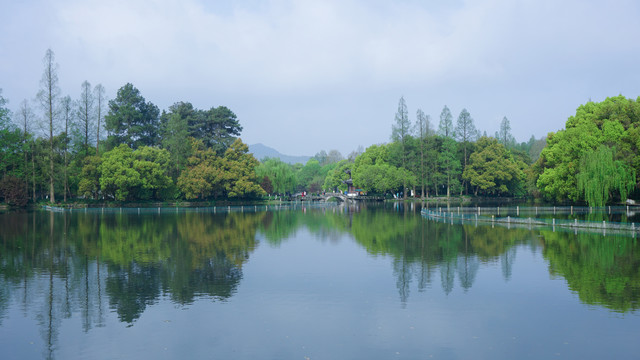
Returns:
(101, 100)
(25, 118)
(85, 115)
(48, 96)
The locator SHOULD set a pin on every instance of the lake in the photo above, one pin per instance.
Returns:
(310, 282)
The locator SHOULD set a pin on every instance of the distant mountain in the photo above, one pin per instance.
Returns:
(261, 151)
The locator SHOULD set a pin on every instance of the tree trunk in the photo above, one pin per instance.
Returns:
(33, 172)
(52, 196)
(448, 183)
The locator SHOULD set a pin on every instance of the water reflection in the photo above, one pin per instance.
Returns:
(601, 270)
(59, 265)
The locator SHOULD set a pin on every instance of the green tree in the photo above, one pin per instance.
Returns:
(373, 172)
(432, 169)
(465, 132)
(11, 152)
(127, 175)
(5, 113)
(240, 179)
(445, 127)
(600, 176)
(449, 164)
(89, 182)
(119, 178)
(131, 120)
(281, 175)
(152, 164)
(11, 144)
(423, 130)
(309, 177)
(24, 118)
(400, 132)
(176, 138)
(218, 128)
(48, 97)
(67, 115)
(202, 178)
(335, 177)
(85, 115)
(321, 156)
(615, 121)
(504, 134)
(492, 169)
(100, 102)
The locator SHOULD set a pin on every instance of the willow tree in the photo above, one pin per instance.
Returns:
(281, 175)
(600, 177)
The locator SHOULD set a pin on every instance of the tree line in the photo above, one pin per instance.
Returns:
(123, 149)
(126, 149)
(594, 159)
(452, 159)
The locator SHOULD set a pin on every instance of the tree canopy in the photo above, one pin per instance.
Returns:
(132, 120)
(492, 169)
(612, 123)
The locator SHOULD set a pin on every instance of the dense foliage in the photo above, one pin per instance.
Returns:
(612, 124)
(184, 154)
(189, 153)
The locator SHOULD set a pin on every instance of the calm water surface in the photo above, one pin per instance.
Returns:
(374, 282)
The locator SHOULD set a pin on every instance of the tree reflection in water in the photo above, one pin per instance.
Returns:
(57, 265)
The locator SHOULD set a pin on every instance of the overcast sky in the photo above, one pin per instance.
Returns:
(303, 76)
